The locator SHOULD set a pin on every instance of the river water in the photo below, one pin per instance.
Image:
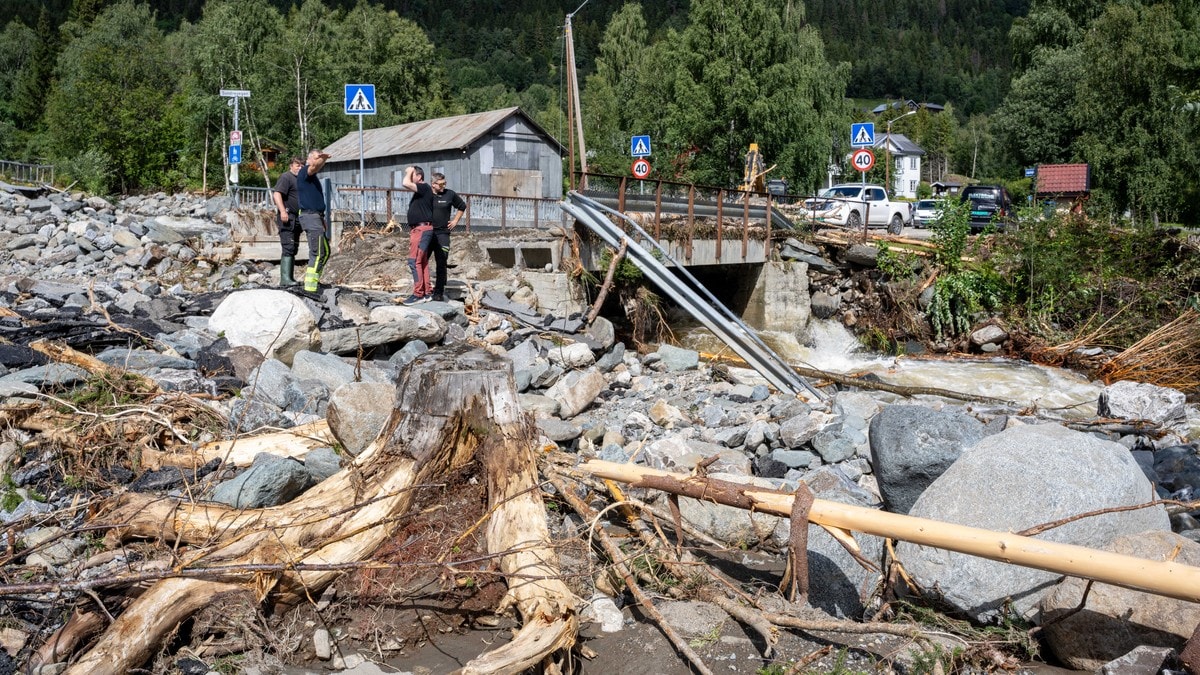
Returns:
(828, 346)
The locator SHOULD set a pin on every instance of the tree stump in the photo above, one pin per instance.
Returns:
(453, 405)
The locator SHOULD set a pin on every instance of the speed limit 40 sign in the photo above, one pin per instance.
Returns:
(863, 159)
(641, 168)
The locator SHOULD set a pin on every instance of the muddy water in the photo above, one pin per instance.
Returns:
(828, 346)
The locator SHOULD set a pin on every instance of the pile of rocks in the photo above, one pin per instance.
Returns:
(266, 358)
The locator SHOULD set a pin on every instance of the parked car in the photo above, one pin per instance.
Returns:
(846, 205)
(990, 204)
(926, 211)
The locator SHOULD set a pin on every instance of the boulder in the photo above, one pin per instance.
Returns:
(357, 412)
(270, 481)
(276, 323)
(576, 391)
(676, 359)
(1116, 620)
(733, 526)
(912, 445)
(571, 356)
(1013, 480)
(1142, 401)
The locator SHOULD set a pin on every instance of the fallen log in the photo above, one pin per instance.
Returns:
(295, 442)
(1165, 578)
(452, 406)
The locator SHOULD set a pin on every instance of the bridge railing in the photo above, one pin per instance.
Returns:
(739, 215)
(378, 206)
(27, 173)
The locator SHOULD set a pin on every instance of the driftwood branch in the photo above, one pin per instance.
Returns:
(608, 282)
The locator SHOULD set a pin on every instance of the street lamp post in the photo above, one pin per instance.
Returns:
(887, 151)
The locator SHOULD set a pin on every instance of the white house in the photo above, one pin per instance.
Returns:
(906, 163)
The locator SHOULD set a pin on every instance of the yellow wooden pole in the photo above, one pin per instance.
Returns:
(1166, 578)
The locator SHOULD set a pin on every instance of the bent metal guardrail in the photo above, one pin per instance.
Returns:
(685, 289)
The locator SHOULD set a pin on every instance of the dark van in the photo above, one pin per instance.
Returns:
(989, 204)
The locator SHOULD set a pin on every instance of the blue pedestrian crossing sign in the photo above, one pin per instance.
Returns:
(639, 146)
(235, 154)
(360, 99)
(862, 135)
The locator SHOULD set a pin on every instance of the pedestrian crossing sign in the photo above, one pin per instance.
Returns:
(360, 99)
(639, 146)
(862, 135)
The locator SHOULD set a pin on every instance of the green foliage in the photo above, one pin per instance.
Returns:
(113, 88)
(950, 233)
(10, 499)
(895, 265)
(1069, 274)
(627, 274)
(958, 297)
(91, 169)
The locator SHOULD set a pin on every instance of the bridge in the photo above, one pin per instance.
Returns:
(697, 225)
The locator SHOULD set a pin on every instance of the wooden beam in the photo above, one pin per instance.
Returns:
(1169, 579)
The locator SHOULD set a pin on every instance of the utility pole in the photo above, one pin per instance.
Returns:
(574, 120)
(887, 151)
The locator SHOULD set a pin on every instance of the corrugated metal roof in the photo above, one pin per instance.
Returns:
(901, 144)
(1062, 178)
(445, 133)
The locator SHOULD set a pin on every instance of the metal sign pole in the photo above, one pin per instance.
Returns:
(362, 194)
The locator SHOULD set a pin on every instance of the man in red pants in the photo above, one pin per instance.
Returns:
(420, 221)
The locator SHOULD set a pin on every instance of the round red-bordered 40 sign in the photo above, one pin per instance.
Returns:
(863, 159)
(641, 168)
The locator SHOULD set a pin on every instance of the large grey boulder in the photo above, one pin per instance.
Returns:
(576, 391)
(419, 324)
(574, 355)
(276, 323)
(912, 445)
(172, 230)
(272, 382)
(1116, 620)
(727, 524)
(676, 359)
(325, 368)
(357, 412)
(1013, 480)
(1142, 401)
(270, 481)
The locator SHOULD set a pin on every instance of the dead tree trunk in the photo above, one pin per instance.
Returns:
(452, 406)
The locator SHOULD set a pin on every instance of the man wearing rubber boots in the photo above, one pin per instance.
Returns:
(288, 205)
(312, 218)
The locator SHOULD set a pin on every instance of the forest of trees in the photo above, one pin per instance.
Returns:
(124, 97)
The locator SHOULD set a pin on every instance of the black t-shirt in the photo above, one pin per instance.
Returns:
(312, 199)
(420, 209)
(443, 205)
(286, 186)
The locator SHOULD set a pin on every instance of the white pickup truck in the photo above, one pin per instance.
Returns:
(849, 204)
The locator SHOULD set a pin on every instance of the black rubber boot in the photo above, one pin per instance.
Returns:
(286, 265)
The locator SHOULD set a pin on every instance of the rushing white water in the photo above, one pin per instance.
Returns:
(830, 347)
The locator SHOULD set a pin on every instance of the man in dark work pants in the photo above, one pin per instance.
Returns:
(312, 218)
(287, 204)
(437, 240)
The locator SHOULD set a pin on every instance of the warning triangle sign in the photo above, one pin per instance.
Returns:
(863, 137)
(360, 103)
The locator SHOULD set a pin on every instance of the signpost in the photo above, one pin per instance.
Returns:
(640, 168)
(360, 100)
(235, 136)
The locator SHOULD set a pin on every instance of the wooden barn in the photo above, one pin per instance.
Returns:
(499, 152)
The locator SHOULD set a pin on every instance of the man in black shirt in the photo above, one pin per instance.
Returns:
(287, 203)
(312, 218)
(437, 240)
(420, 217)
